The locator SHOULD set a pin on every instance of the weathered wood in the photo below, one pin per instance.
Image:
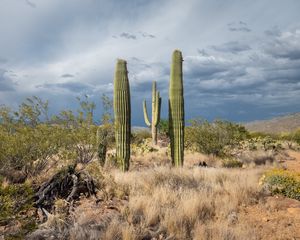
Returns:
(67, 184)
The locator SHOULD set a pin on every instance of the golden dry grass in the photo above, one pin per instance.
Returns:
(155, 201)
(170, 203)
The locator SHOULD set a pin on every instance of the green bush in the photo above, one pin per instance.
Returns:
(232, 163)
(212, 138)
(283, 182)
(163, 127)
(138, 137)
(29, 138)
(293, 136)
(16, 203)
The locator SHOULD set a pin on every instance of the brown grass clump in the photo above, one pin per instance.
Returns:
(179, 202)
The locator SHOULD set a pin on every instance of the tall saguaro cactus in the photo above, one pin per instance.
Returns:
(176, 110)
(122, 111)
(156, 104)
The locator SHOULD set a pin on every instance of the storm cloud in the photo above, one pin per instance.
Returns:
(238, 64)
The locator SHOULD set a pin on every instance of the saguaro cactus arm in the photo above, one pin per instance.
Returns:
(156, 105)
(157, 109)
(147, 121)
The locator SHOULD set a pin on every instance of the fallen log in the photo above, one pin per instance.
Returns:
(67, 184)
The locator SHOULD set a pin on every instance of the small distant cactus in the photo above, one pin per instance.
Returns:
(122, 112)
(102, 142)
(176, 110)
(156, 104)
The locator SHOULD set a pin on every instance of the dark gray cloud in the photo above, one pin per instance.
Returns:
(248, 76)
(6, 84)
(273, 32)
(30, 3)
(67, 75)
(128, 36)
(202, 52)
(134, 36)
(264, 82)
(76, 87)
(238, 27)
(232, 47)
(3, 60)
(147, 35)
(284, 45)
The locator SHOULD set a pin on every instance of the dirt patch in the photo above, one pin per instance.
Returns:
(273, 218)
(293, 161)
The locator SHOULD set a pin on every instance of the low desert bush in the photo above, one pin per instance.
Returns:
(257, 158)
(213, 138)
(139, 136)
(283, 182)
(16, 206)
(231, 163)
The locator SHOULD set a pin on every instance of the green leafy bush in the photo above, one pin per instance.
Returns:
(29, 139)
(283, 182)
(212, 138)
(138, 137)
(16, 204)
(163, 127)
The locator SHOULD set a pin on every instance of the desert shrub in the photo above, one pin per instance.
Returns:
(14, 198)
(138, 137)
(26, 143)
(296, 136)
(16, 205)
(264, 135)
(212, 138)
(29, 138)
(231, 163)
(283, 182)
(293, 136)
(163, 127)
(257, 158)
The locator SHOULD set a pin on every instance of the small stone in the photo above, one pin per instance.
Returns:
(265, 219)
(232, 218)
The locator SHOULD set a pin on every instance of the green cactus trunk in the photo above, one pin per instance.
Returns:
(122, 111)
(176, 110)
(102, 134)
(156, 104)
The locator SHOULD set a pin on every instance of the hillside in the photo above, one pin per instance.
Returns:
(286, 123)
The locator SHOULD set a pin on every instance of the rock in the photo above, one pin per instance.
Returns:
(265, 219)
(232, 218)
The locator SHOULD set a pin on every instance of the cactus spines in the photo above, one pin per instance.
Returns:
(156, 104)
(176, 110)
(122, 112)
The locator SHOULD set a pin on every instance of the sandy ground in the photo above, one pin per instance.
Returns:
(276, 217)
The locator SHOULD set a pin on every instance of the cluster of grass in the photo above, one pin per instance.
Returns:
(167, 203)
(283, 182)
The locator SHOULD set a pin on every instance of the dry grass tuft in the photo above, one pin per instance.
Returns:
(178, 201)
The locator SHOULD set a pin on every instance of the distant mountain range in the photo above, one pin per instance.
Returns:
(280, 124)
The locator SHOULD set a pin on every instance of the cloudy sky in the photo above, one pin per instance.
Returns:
(241, 57)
